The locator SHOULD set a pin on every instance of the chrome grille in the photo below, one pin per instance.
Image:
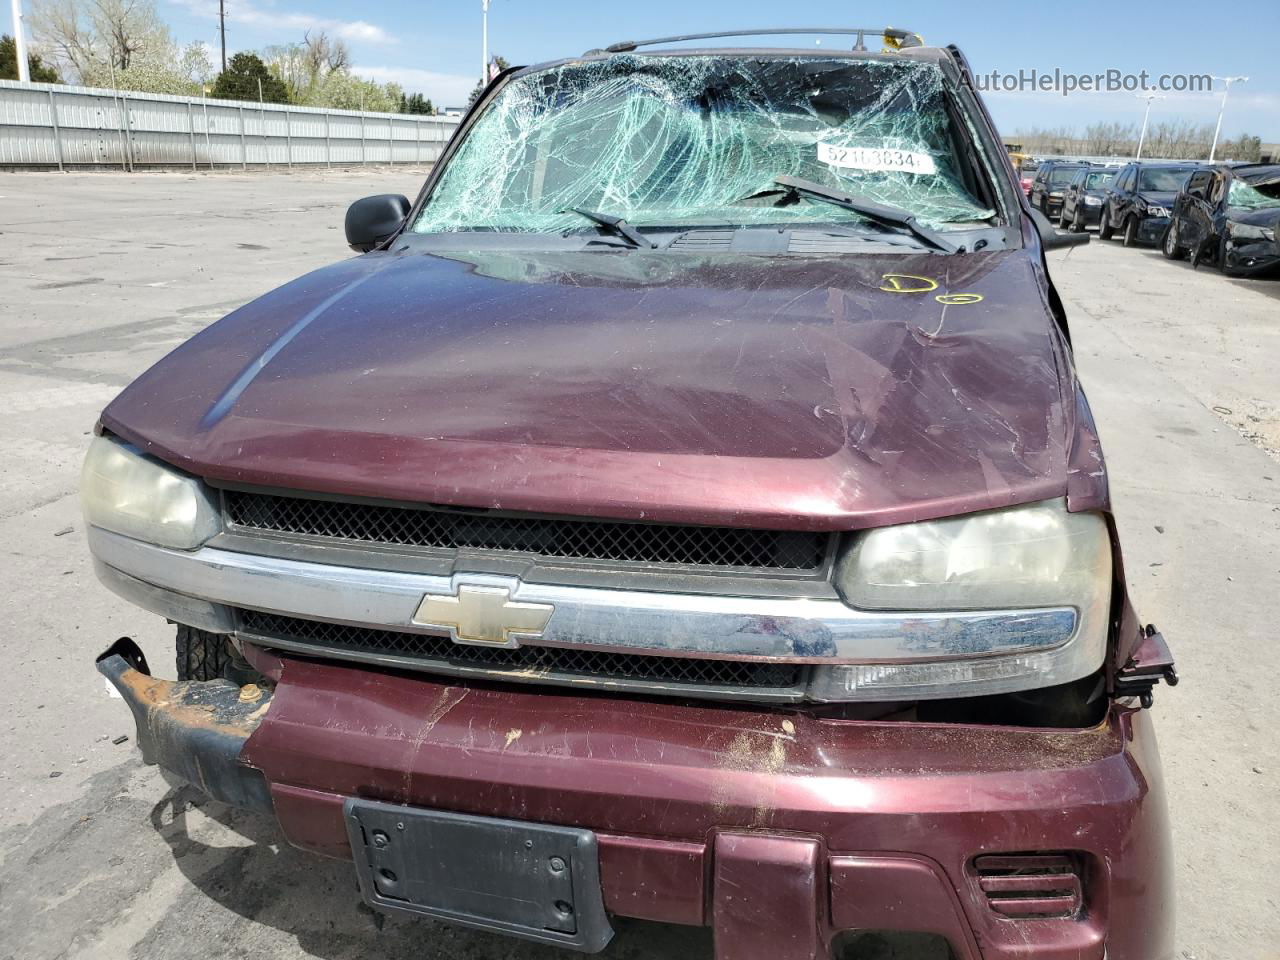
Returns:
(530, 662)
(543, 536)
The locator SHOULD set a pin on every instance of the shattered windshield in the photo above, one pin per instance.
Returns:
(1097, 181)
(693, 140)
(1060, 176)
(1260, 197)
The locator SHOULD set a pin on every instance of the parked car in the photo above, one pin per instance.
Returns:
(686, 509)
(1228, 215)
(1082, 198)
(1050, 182)
(1137, 201)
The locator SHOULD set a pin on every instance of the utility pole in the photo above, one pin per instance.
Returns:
(1143, 137)
(1223, 109)
(222, 28)
(20, 42)
(484, 42)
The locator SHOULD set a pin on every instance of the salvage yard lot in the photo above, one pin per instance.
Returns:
(100, 857)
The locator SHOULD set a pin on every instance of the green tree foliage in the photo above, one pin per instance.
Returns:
(416, 103)
(41, 72)
(247, 78)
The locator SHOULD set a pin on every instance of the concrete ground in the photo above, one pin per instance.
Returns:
(101, 858)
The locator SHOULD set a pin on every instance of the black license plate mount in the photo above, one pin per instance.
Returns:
(530, 880)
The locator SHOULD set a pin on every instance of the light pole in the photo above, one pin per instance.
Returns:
(1228, 81)
(20, 42)
(484, 43)
(1145, 116)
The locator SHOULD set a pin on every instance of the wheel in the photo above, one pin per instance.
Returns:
(1104, 225)
(1062, 217)
(1077, 222)
(1169, 245)
(1131, 232)
(201, 655)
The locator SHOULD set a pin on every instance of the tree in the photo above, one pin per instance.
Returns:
(303, 67)
(40, 71)
(247, 78)
(82, 35)
(416, 103)
(496, 66)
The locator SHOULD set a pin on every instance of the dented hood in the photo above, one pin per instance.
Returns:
(782, 391)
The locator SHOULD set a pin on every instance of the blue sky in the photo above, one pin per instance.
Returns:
(433, 46)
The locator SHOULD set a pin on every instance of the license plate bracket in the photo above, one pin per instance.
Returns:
(535, 881)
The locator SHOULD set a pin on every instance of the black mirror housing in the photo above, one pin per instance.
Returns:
(372, 220)
(1052, 239)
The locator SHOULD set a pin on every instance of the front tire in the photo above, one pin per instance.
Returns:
(1104, 225)
(201, 655)
(1077, 222)
(1169, 245)
(1131, 232)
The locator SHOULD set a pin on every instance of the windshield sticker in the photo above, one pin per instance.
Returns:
(906, 283)
(877, 158)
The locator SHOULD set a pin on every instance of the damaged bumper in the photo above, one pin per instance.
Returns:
(195, 730)
(779, 829)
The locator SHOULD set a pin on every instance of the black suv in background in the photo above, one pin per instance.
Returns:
(1082, 199)
(1138, 200)
(1228, 215)
(1051, 180)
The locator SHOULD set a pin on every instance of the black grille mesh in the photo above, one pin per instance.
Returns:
(541, 536)
(580, 663)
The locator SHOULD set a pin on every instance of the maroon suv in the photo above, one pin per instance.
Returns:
(687, 509)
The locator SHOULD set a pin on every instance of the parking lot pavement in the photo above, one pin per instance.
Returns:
(99, 857)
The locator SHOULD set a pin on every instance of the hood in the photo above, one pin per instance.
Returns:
(1265, 217)
(793, 391)
(1162, 198)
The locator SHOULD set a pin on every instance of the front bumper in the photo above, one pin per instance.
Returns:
(1151, 229)
(777, 828)
(1253, 257)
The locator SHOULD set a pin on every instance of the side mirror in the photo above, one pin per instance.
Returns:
(373, 219)
(1050, 238)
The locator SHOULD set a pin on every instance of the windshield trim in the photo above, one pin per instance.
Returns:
(957, 96)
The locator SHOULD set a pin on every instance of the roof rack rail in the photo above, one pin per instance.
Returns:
(892, 36)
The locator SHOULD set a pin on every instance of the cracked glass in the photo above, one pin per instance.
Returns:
(697, 140)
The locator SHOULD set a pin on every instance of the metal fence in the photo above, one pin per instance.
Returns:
(48, 125)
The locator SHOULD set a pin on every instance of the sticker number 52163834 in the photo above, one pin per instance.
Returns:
(876, 158)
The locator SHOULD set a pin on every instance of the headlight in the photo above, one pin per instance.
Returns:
(1093, 201)
(1249, 232)
(1032, 557)
(1154, 211)
(123, 491)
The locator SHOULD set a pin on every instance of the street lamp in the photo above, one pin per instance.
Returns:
(1146, 114)
(1223, 109)
(20, 42)
(484, 45)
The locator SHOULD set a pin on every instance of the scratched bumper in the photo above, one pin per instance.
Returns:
(195, 730)
(777, 828)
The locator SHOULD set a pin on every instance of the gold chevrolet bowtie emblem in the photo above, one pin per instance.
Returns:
(484, 615)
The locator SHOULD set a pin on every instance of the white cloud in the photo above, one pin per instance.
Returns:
(443, 89)
(243, 11)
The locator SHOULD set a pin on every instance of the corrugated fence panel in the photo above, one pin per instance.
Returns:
(53, 125)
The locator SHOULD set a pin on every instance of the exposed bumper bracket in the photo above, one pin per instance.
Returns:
(193, 729)
(1150, 663)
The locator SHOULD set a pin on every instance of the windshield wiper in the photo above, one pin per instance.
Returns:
(615, 225)
(890, 216)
